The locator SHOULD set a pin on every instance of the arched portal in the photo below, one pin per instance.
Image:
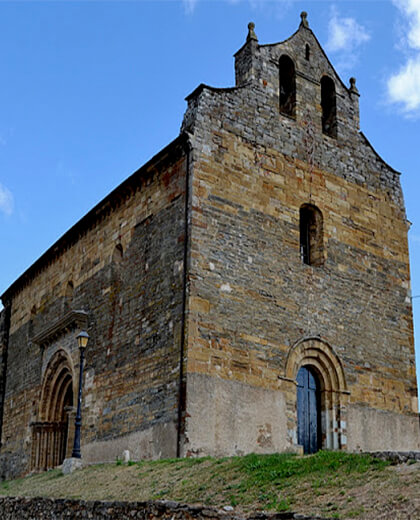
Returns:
(319, 360)
(308, 406)
(50, 435)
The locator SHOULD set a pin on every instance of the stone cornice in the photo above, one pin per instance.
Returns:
(71, 320)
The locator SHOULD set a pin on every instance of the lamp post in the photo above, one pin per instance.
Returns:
(82, 341)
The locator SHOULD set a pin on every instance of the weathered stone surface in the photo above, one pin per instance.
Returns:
(134, 306)
(243, 418)
(4, 338)
(200, 302)
(71, 464)
(253, 302)
(21, 508)
(397, 457)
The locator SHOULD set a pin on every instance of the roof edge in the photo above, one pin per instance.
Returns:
(197, 91)
(377, 154)
(282, 41)
(91, 217)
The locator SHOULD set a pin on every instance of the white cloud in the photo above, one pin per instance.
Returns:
(404, 85)
(345, 34)
(189, 5)
(411, 10)
(6, 200)
(345, 38)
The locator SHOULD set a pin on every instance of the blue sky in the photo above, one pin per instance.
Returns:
(90, 90)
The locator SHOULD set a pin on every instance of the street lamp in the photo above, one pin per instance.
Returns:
(82, 341)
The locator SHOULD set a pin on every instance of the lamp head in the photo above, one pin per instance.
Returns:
(82, 339)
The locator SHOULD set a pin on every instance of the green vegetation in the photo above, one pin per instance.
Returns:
(333, 484)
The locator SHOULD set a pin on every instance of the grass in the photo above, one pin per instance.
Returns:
(327, 483)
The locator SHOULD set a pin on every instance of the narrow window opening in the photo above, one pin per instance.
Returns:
(311, 235)
(287, 87)
(31, 321)
(118, 253)
(329, 108)
(68, 296)
(116, 267)
(307, 52)
(69, 290)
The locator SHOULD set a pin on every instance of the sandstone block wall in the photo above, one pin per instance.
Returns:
(4, 338)
(190, 280)
(253, 302)
(126, 272)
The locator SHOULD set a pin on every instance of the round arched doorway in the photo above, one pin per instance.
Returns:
(50, 435)
(314, 368)
(309, 410)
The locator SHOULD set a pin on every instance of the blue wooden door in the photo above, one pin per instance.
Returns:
(308, 406)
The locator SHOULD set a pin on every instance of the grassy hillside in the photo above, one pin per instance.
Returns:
(331, 484)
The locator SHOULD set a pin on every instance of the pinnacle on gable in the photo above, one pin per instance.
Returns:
(251, 32)
(353, 87)
(304, 20)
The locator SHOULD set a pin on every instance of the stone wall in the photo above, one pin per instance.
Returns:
(254, 304)
(125, 270)
(202, 244)
(4, 339)
(28, 508)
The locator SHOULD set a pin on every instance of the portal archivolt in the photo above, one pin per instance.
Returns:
(51, 434)
(319, 359)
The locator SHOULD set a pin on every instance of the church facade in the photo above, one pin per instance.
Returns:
(246, 290)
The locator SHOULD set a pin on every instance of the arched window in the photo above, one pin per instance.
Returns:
(117, 255)
(329, 107)
(287, 87)
(68, 296)
(307, 52)
(69, 291)
(311, 235)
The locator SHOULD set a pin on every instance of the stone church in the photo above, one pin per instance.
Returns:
(246, 290)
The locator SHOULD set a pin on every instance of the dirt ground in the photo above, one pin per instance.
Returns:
(390, 495)
(391, 492)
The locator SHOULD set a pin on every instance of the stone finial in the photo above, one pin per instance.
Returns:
(251, 32)
(304, 19)
(353, 87)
